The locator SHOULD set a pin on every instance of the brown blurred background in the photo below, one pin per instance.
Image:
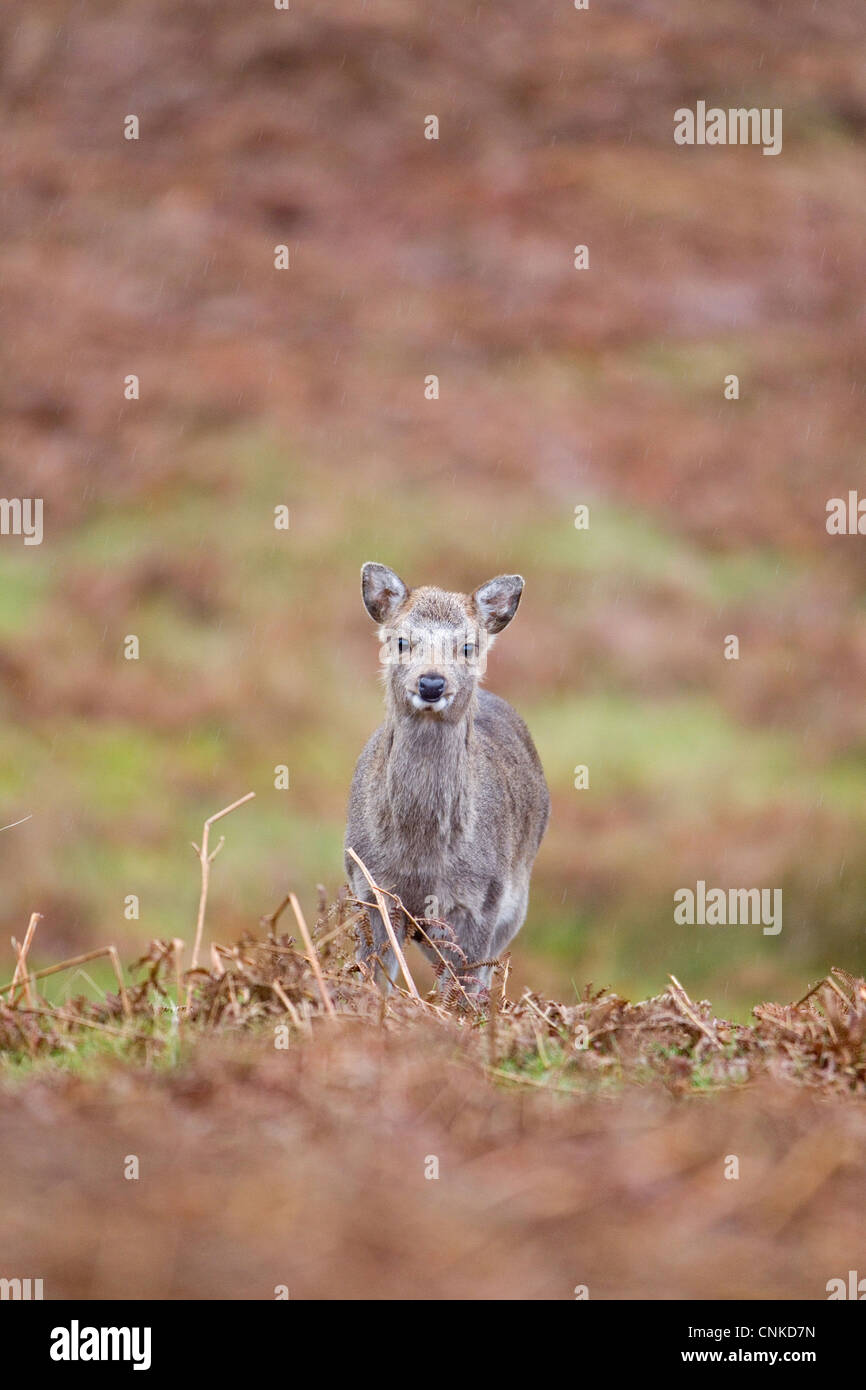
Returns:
(305, 387)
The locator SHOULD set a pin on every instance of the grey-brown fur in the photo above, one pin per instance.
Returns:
(448, 801)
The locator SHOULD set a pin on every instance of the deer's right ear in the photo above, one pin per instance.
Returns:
(382, 591)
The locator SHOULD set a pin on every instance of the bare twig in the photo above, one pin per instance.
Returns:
(520, 1080)
(270, 919)
(288, 1005)
(178, 945)
(335, 931)
(13, 823)
(526, 998)
(493, 1030)
(206, 858)
(111, 952)
(91, 1023)
(438, 1009)
(383, 912)
(506, 971)
(230, 986)
(833, 985)
(810, 992)
(66, 965)
(430, 942)
(21, 967)
(684, 1003)
(311, 955)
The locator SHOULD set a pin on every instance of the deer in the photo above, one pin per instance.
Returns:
(448, 803)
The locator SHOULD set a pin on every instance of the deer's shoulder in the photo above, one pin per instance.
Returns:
(499, 722)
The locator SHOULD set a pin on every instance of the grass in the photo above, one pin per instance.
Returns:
(526, 1038)
(246, 645)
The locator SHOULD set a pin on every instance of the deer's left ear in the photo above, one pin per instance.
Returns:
(497, 601)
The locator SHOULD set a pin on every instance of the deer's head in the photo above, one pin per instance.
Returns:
(435, 643)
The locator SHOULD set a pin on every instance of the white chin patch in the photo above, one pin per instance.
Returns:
(435, 706)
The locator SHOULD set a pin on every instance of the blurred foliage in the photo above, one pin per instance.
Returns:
(305, 388)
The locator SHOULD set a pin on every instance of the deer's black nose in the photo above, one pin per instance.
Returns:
(430, 688)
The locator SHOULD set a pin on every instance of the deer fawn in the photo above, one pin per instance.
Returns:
(448, 803)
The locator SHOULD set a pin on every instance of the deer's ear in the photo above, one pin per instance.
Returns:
(382, 591)
(497, 601)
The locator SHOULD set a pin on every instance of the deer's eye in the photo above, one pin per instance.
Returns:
(402, 645)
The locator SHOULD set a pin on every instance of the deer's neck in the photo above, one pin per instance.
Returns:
(428, 782)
